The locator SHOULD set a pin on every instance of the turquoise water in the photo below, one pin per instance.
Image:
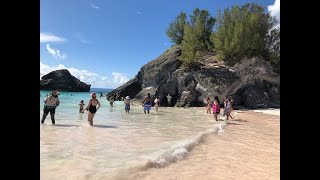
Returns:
(69, 102)
(118, 144)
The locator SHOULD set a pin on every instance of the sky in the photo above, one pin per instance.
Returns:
(106, 42)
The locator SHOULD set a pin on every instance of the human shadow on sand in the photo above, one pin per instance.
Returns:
(66, 125)
(103, 126)
(239, 120)
(231, 123)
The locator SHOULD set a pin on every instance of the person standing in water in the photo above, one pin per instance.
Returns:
(225, 103)
(147, 103)
(157, 103)
(216, 107)
(169, 97)
(231, 100)
(127, 104)
(92, 107)
(50, 104)
(209, 105)
(111, 100)
(81, 104)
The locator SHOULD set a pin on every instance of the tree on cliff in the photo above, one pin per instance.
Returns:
(273, 44)
(175, 30)
(242, 32)
(196, 40)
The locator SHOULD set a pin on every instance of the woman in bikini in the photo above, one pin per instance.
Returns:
(92, 107)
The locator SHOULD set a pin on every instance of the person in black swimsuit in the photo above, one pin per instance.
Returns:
(92, 107)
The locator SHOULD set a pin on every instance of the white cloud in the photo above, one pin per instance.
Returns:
(96, 80)
(104, 77)
(94, 6)
(119, 78)
(275, 9)
(79, 36)
(44, 38)
(55, 52)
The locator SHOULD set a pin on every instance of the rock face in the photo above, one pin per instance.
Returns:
(62, 80)
(252, 83)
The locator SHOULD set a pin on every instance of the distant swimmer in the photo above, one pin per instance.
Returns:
(92, 107)
(147, 103)
(50, 104)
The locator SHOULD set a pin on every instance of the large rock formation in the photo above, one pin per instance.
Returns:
(252, 83)
(62, 80)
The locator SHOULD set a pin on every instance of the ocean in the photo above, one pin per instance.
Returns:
(119, 143)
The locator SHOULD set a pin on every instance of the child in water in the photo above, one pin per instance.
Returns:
(81, 104)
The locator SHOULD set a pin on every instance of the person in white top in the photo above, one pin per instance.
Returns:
(157, 103)
(50, 104)
(127, 104)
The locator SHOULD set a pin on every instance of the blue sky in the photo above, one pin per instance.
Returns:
(106, 42)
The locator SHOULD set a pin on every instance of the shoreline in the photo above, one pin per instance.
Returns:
(229, 156)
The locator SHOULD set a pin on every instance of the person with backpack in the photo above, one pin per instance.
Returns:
(50, 104)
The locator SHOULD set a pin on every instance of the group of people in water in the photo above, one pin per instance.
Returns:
(51, 101)
(215, 106)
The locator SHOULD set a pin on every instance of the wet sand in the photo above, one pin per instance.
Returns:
(249, 148)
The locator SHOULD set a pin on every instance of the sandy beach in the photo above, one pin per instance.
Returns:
(249, 148)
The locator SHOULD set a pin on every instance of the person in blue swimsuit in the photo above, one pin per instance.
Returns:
(147, 103)
(92, 107)
(127, 104)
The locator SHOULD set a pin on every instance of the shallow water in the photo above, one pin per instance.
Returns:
(157, 145)
(119, 144)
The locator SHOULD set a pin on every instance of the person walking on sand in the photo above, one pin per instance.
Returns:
(216, 107)
(127, 104)
(157, 103)
(147, 103)
(81, 104)
(169, 97)
(92, 107)
(208, 105)
(50, 104)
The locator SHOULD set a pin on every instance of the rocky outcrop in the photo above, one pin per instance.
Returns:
(252, 83)
(62, 80)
